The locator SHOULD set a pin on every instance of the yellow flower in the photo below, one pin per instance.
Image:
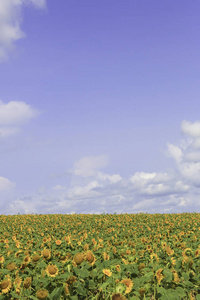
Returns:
(6, 285)
(46, 253)
(27, 282)
(42, 294)
(71, 280)
(118, 296)
(106, 256)
(129, 284)
(169, 251)
(197, 253)
(2, 259)
(67, 289)
(78, 258)
(17, 284)
(26, 259)
(58, 242)
(142, 291)
(118, 268)
(187, 252)
(141, 266)
(11, 266)
(176, 277)
(90, 257)
(35, 258)
(52, 270)
(159, 276)
(107, 272)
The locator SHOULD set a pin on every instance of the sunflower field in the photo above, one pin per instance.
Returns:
(106, 256)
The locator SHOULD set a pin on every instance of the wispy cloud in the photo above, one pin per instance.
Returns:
(13, 115)
(10, 23)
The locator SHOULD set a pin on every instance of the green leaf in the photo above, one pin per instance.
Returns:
(186, 276)
(168, 275)
(84, 273)
(169, 294)
(80, 290)
(56, 293)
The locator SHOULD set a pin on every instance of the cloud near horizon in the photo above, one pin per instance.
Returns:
(94, 191)
(10, 23)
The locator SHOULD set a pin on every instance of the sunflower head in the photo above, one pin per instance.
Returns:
(11, 266)
(35, 258)
(27, 282)
(52, 270)
(142, 291)
(42, 294)
(66, 289)
(78, 258)
(6, 285)
(71, 280)
(118, 296)
(89, 256)
(46, 253)
(141, 266)
(128, 283)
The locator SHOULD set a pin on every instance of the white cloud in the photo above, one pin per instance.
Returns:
(175, 152)
(10, 21)
(191, 129)
(14, 114)
(111, 178)
(89, 165)
(6, 184)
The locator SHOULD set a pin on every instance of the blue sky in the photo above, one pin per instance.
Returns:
(99, 106)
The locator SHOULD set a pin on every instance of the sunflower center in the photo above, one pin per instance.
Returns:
(4, 284)
(42, 294)
(52, 270)
(46, 253)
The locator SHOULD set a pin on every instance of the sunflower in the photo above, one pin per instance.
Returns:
(90, 257)
(187, 252)
(142, 291)
(71, 280)
(128, 283)
(46, 253)
(78, 258)
(118, 268)
(35, 258)
(42, 294)
(176, 277)
(118, 296)
(17, 284)
(107, 272)
(66, 289)
(11, 266)
(58, 242)
(6, 284)
(159, 275)
(2, 259)
(52, 270)
(27, 282)
(169, 251)
(18, 253)
(106, 256)
(197, 253)
(26, 260)
(141, 266)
